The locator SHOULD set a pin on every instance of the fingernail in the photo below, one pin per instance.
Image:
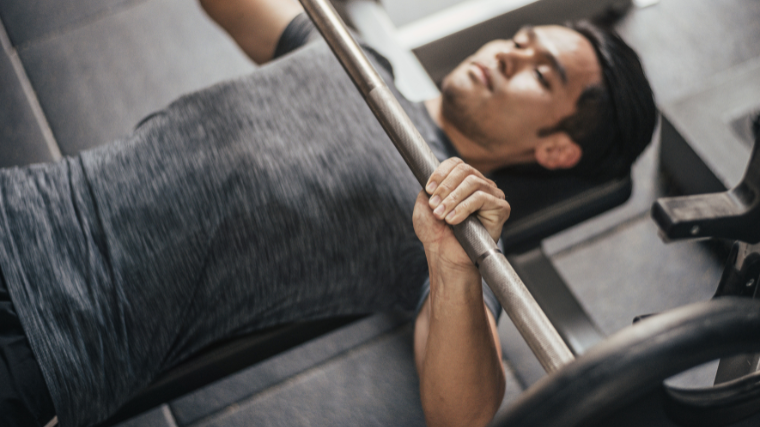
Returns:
(450, 216)
(438, 211)
(432, 185)
(435, 201)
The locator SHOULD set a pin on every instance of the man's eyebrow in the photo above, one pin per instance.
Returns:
(547, 53)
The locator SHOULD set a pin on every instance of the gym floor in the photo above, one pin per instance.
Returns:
(70, 54)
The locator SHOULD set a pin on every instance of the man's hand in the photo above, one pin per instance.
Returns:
(456, 343)
(456, 191)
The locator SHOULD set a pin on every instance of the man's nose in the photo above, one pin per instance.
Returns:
(512, 60)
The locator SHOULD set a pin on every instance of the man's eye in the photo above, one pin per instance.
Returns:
(517, 44)
(542, 79)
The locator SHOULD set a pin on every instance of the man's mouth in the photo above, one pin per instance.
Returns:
(483, 74)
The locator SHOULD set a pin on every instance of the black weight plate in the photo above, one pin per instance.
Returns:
(634, 362)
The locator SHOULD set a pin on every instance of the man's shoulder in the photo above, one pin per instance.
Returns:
(301, 32)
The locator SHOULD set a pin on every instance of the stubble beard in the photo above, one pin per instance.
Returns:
(460, 115)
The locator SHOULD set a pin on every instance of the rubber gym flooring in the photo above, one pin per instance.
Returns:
(72, 71)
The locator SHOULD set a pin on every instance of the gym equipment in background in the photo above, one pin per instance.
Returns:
(706, 137)
(621, 381)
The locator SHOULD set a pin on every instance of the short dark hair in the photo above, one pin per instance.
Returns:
(613, 122)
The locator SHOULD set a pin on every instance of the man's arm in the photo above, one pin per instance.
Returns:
(255, 25)
(457, 349)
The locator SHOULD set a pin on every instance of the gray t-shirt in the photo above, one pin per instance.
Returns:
(258, 201)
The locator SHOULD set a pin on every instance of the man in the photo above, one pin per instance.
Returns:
(542, 97)
(220, 214)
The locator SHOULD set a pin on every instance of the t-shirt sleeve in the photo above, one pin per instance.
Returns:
(488, 297)
(298, 33)
(301, 31)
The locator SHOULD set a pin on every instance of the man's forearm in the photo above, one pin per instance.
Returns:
(461, 375)
(255, 25)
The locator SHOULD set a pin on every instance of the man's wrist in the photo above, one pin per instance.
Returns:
(445, 257)
(454, 278)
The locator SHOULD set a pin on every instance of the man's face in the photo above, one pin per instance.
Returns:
(510, 89)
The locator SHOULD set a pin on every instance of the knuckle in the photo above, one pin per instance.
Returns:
(452, 199)
(473, 180)
(445, 188)
(463, 168)
(506, 211)
(468, 203)
(451, 216)
(449, 164)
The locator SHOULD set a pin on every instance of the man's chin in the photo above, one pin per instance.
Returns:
(461, 116)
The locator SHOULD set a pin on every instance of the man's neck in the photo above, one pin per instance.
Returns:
(471, 152)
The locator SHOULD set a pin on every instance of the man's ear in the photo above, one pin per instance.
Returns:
(558, 151)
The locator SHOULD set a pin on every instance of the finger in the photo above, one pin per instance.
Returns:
(452, 180)
(426, 226)
(441, 172)
(488, 208)
(465, 189)
(421, 208)
(492, 212)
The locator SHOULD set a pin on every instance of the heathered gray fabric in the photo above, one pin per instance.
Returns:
(301, 31)
(258, 201)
